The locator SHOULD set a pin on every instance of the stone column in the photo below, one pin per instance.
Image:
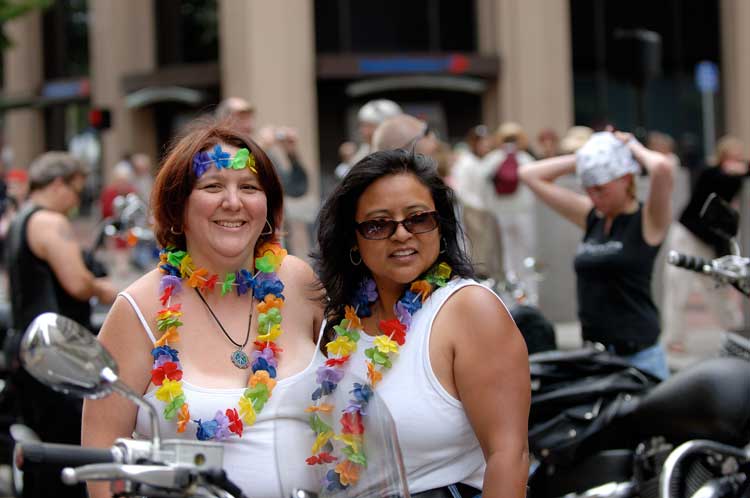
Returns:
(267, 56)
(532, 38)
(121, 41)
(24, 128)
(735, 67)
(535, 89)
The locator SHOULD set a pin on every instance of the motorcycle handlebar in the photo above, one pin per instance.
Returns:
(218, 477)
(49, 454)
(695, 263)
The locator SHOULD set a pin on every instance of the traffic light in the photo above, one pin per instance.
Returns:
(100, 119)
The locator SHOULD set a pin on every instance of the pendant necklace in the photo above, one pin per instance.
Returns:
(239, 357)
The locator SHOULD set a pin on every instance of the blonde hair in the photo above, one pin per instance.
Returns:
(724, 147)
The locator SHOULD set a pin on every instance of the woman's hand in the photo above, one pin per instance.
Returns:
(734, 167)
(623, 136)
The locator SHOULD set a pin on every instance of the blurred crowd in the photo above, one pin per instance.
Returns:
(496, 208)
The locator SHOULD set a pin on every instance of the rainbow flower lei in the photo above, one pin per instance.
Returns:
(353, 458)
(167, 372)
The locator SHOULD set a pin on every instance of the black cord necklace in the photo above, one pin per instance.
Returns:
(239, 357)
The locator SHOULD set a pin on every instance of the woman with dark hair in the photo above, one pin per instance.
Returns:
(204, 336)
(398, 281)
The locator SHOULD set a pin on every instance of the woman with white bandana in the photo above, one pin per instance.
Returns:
(622, 237)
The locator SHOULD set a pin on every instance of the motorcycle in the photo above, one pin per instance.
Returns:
(714, 467)
(65, 356)
(602, 428)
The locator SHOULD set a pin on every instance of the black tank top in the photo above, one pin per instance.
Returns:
(34, 288)
(614, 284)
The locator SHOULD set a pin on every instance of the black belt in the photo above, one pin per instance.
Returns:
(623, 347)
(458, 490)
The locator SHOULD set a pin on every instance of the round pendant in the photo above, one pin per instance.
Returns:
(240, 359)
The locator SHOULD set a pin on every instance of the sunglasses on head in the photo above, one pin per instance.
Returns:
(383, 229)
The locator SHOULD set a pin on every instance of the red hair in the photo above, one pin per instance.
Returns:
(176, 179)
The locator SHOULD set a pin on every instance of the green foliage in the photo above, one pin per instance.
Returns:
(11, 9)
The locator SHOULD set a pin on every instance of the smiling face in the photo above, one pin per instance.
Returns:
(224, 214)
(402, 257)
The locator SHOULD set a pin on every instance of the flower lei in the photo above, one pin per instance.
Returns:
(353, 458)
(242, 159)
(167, 372)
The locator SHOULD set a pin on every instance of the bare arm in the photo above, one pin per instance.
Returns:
(107, 419)
(51, 238)
(658, 207)
(540, 177)
(491, 372)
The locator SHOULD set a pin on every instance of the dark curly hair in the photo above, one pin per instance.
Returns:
(336, 226)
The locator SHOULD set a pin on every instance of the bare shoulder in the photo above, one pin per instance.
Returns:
(48, 225)
(476, 310)
(122, 331)
(145, 293)
(299, 277)
(471, 300)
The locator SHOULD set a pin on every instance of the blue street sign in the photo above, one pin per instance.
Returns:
(707, 77)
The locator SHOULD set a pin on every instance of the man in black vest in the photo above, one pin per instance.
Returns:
(47, 273)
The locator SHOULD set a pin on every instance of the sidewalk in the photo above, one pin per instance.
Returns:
(702, 338)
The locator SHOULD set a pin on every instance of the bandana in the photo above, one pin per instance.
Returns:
(604, 158)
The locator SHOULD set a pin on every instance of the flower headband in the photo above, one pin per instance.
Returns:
(203, 160)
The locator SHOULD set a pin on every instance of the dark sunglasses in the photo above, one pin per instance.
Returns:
(383, 229)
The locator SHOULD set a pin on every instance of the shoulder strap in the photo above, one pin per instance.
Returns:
(137, 310)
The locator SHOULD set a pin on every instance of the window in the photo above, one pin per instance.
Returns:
(187, 31)
(66, 39)
(670, 101)
(395, 26)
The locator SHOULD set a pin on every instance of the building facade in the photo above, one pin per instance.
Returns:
(310, 64)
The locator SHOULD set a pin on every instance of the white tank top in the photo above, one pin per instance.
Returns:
(266, 461)
(436, 439)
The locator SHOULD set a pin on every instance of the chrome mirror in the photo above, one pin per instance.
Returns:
(62, 354)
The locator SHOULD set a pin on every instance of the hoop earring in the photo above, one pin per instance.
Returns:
(173, 232)
(270, 228)
(351, 256)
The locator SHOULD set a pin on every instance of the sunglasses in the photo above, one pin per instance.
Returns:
(383, 229)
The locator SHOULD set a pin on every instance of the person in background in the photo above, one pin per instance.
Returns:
(622, 236)
(143, 178)
(280, 143)
(369, 117)
(239, 112)
(391, 260)
(218, 210)
(17, 181)
(662, 142)
(346, 153)
(47, 273)
(691, 235)
(511, 201)
(121, 184)
(574, 139)
(549, 143)
(481, 227)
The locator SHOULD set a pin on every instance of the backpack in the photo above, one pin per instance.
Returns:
(506, 175)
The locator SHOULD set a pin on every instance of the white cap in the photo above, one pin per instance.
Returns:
(604, 158)
(377, 111)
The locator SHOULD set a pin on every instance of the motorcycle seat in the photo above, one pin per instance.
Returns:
(710, 400)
